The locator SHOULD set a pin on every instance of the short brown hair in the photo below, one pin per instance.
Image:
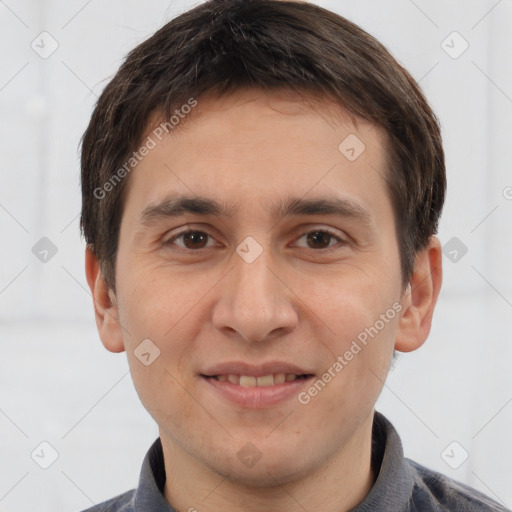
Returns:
(224, 45)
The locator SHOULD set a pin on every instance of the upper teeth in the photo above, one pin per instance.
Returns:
(249, 381)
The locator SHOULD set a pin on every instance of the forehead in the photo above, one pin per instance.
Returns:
(258, 144)
(239, 107)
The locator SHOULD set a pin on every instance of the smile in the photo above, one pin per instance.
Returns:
(250, 381)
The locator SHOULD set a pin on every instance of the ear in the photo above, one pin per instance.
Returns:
(105, 307)
(420, 297)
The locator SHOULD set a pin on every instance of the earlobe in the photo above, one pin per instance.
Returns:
(420, 297)
(105, 305)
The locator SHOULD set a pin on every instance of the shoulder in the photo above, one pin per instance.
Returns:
(121, 503)
(435, 491)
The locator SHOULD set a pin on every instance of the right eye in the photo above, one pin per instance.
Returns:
(190, 240)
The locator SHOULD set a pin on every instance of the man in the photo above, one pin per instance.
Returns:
(262, 183)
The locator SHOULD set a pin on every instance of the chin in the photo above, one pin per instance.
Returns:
(272, 466)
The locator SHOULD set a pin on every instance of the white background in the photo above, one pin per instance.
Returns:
(57, 382)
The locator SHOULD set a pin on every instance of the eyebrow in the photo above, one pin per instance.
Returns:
(174, 206)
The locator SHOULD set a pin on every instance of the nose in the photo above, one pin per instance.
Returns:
(255, 302)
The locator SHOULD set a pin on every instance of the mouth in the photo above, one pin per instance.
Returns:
(255, 386)
(264, 381)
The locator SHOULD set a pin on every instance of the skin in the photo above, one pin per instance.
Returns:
(200, 303)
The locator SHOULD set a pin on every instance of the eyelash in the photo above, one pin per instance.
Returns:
(329, 232)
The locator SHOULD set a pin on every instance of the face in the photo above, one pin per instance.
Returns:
(258, 254)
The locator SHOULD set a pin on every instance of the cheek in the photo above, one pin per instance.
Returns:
(147, 320)
(156, 316)
(350, 302)
(163, 309)
(362, 319)
(164, 394)
(157, 302)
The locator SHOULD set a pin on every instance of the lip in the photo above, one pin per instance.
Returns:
(242, 368)
(255, 397)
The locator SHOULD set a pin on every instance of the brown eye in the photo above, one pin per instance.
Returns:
(322, 240)
(195, 239)
(319, 239)
(190, 240)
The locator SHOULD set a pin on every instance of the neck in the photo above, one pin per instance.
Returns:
(336, 486)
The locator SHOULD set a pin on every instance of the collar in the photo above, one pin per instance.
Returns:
(395, 479)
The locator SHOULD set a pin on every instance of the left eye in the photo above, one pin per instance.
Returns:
(320, 239)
